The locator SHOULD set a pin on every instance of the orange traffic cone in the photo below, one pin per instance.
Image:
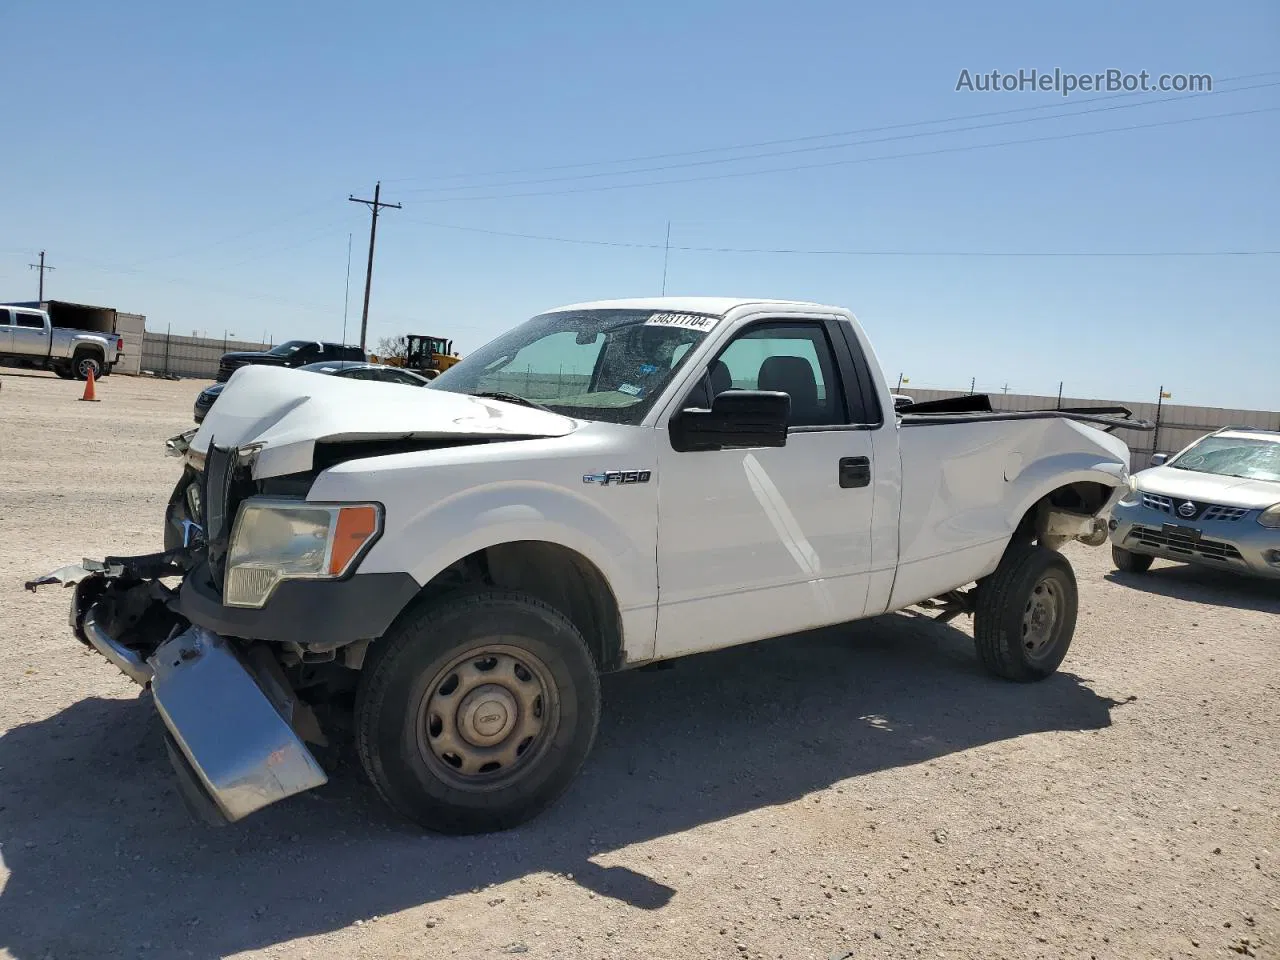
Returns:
(88, 387)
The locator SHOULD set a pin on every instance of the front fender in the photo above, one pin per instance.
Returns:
(622, 546)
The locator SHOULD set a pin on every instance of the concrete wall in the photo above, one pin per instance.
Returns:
(195, 357)
(1179, 425)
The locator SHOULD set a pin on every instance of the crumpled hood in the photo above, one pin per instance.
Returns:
(1209, 488)
(286, 412)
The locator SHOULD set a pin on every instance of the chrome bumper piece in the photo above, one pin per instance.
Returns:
(130, 662)
(243, 751)
(230, 741)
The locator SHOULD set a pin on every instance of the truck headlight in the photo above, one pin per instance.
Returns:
(276, 540)
(1270, 517)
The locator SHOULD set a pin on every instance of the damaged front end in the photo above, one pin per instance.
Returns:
(234, 727)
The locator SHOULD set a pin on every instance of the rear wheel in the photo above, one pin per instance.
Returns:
(1130, 562)
(1026, 614)
(84, 363)
(477, 713)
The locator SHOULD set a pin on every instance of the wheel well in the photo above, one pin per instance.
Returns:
(552, 573)
(1084, 497)
(87, 348)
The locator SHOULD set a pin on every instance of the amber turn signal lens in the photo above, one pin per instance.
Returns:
(356, 527)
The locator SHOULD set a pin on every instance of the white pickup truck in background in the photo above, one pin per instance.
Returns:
(604, 486)
(29, 338)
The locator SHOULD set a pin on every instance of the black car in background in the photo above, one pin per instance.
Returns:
(354, 370)
(291, 353)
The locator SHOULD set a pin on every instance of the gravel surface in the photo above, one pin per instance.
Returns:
(861, 792)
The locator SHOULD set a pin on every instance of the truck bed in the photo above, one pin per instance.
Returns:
(969, 475)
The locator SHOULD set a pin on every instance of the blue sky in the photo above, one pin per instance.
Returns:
(193, 163)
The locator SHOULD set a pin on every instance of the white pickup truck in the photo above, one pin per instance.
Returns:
(28, 338)
(606, 485)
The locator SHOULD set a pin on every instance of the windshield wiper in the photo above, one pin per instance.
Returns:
(514, 398)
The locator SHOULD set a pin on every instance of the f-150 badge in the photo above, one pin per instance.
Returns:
(617, 476)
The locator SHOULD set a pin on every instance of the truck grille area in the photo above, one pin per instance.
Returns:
(1184, 544)
(226, 485)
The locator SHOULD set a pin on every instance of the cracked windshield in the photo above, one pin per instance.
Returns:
(594, 364)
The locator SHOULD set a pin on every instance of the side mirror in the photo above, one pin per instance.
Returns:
(737, 419)
(1159, 459)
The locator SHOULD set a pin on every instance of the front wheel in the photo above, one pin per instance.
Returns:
(1026, 614)
(1130, 562)
(476, 714)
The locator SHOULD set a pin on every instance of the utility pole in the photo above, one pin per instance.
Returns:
(42, 268)
(374, 205)
(973, 383)
(1005, 388)
(1059, 394)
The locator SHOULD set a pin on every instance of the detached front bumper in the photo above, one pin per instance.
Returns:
(1240, 545)
(227, 716)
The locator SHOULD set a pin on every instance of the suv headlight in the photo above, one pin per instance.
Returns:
(1270, 517)
(1132, 495)
(276, 540)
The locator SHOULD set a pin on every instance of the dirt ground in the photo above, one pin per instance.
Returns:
(861, 792)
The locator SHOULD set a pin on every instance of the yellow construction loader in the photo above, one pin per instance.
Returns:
(430, 356)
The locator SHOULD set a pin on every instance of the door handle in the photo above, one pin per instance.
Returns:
(855, 471)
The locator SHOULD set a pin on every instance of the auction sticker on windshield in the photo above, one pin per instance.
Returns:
(689, 321)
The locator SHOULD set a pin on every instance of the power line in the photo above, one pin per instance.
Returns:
(844, 253)
(374, 206)
(820, 136)
(733, 174)
(278, 221)
(833, 146)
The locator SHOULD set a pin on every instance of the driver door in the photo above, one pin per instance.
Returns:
(754, 543)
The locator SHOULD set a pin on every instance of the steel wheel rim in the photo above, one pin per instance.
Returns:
(1041, 618)
(88, 364)
(487, 716)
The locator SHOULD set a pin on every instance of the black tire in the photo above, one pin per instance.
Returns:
(63, 371)
(1130, 562)
(406, 699)
(1026, 614)
(81, 364)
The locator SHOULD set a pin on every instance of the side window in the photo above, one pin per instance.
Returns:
(795, 358)
(5, 318)
(32, 321)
